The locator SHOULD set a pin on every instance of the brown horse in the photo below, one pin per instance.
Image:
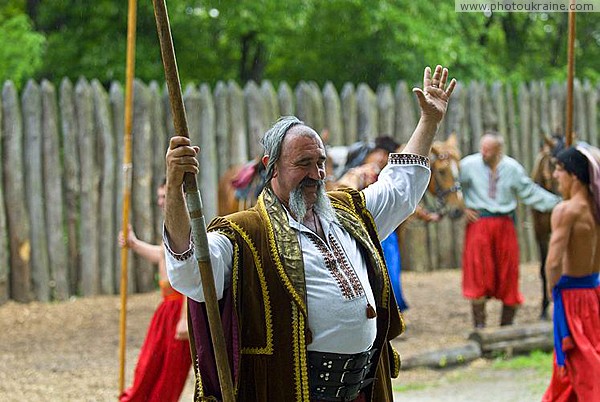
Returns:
(542, 174)
(240, 185)
(445, 184)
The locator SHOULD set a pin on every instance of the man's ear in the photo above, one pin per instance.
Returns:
(265, 161)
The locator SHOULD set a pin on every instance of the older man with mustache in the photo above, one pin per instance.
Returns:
(306, 300)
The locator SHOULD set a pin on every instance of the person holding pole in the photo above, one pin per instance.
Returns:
(491, 183)
(305, 299)
(572, 268)
(164, 362)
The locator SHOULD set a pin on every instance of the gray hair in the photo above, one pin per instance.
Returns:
(273, 139)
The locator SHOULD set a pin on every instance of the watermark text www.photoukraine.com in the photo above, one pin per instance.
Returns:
(526, 6)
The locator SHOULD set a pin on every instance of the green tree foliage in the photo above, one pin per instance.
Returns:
(211, 43)
(232, 39)
(354, 40)
(20, 48)
(89, 39)
(293, 40)
(533, 46)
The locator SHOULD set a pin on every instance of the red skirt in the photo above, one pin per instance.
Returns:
(580, 381)
(491, 260)
(164, 361)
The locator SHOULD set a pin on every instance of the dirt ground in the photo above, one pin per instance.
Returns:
(68, 351)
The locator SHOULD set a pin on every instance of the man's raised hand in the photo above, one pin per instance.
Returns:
(433, 98)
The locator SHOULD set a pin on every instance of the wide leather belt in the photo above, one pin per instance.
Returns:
(338, 377)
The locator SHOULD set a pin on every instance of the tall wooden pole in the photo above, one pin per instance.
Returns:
(194, 203)
(570, 76)
(127, 171)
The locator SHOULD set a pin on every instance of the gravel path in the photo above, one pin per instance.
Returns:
(68, 351)
(477, 382)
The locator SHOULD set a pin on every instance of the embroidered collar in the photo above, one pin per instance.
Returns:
(286, 251)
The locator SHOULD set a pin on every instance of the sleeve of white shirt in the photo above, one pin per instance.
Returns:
(532, 194)
(184, 273)
(396, 193)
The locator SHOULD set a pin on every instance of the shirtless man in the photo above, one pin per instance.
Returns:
(572, 269)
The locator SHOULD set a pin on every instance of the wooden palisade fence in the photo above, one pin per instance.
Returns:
(61, 184)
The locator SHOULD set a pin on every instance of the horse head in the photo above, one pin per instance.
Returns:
(444, 184)
(544, 164)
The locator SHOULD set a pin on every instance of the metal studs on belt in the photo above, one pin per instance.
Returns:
(328, 364)
(325, 376)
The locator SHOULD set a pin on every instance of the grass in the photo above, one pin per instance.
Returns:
(410, 387)
(538, 360)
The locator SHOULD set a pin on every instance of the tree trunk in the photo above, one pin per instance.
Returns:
(252, 62)
(53, 194)
(444, 357)
(514, 339)
(142, 195)
(71, 187)
(105, 144)
(14, 192)
(90, 180)
(32, 131)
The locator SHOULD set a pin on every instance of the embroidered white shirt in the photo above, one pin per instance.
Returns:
(336, 301)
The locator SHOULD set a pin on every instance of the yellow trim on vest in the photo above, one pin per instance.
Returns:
(396, 369)
(235, 274)
(268, 348)
(363, 201)
(402, 323)
(199, 388)
(300, 359)
(275, 254)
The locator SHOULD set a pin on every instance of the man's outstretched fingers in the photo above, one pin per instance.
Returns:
(451, 87)
(420, 95)
(437, 74)
(444, 78)
(427, 77)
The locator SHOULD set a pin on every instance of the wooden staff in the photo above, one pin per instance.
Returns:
(570, 75)
(194, 202)
(127, 167)
(127, 171)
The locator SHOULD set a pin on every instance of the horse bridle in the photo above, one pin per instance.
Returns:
(439, 193)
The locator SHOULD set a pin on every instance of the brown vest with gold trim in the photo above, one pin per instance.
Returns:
(270, 299)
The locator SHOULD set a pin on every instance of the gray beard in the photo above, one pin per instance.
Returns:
(322, 206)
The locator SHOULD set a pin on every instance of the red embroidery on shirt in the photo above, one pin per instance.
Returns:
(337, 264)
